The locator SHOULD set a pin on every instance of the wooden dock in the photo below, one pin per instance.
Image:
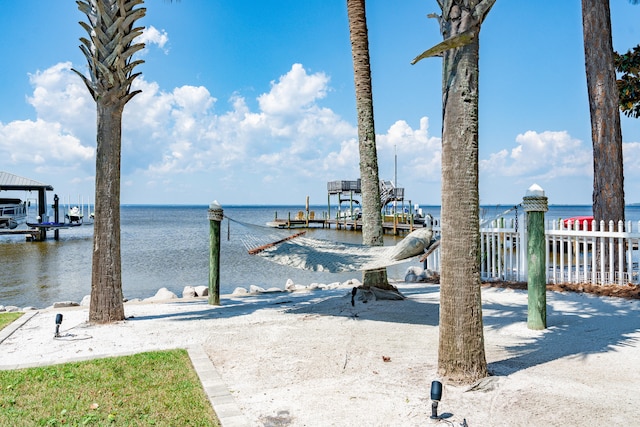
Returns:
(388, 227)
(298, 223)
(346, 224)
(30, 234)
(37, 232)
(16, 232)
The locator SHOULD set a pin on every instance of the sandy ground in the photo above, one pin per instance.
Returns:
(308, 358)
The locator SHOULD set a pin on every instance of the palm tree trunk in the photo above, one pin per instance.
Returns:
(372, 232)
(461, 354)
(106, 280)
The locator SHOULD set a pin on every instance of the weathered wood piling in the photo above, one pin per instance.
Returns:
(215, 215)
(535, 205)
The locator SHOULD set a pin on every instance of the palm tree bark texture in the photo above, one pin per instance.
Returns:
(372, 232)
(108, 51)
(461, 353)
(106, 273)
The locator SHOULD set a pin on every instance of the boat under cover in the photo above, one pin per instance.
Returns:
(12, 212)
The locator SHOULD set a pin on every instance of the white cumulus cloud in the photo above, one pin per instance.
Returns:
(294, 91)
(151, 35)
(174, 141)
(545, 155)
(28, 143)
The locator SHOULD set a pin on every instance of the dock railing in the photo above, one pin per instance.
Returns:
(580, 252)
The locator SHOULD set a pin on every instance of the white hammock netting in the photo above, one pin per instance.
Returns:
(296, 250)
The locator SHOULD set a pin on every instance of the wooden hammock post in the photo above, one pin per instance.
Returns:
(535, 205)
(215, 215)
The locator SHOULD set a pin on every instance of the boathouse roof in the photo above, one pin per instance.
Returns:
(9, 181)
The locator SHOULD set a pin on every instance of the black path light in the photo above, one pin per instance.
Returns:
(58, 323)
(436, 395)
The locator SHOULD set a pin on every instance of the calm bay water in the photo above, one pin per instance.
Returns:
(162, 246)
(168, 246)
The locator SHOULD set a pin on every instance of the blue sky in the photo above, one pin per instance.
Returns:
(252, 102)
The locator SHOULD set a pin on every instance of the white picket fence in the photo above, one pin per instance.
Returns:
(571, 252)
(573, 259)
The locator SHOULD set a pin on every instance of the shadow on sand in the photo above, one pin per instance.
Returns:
(420, 307)
(577, 324)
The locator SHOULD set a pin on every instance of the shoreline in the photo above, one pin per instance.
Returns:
(628, 291)
(194, 293)
(166, 247)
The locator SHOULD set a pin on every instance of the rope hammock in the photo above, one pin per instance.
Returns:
(299, 251)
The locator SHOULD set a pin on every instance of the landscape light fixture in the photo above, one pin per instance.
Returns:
(436, 395)
(58, 323)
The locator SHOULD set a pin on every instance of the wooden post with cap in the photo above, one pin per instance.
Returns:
(215, 215)
(535, 205)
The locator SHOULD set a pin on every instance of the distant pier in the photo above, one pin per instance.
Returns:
(348, 218)
(389, 227)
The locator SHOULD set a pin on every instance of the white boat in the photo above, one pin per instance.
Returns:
(74, 215)
(349, 214)
(12, 213)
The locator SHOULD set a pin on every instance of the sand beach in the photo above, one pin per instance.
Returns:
(310, 358)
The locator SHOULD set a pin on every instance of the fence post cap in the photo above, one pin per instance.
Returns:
(535, 190)
(215, 205)
(535, 200)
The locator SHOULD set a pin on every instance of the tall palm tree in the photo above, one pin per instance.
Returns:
(109, 50)
(461, 353)
(372, 232)
(606, 134)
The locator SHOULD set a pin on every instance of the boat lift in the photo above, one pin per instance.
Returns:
(38, 228)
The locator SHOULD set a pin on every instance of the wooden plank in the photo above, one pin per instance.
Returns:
(272, 244)
(17, 232)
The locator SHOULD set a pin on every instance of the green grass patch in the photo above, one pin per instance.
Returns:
(148, 389)
(6, 318)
